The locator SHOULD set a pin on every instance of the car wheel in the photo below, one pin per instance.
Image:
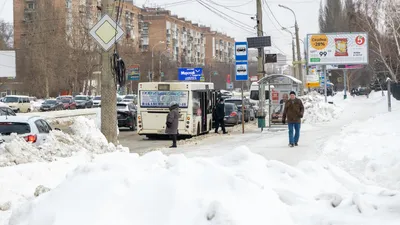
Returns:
(17, 111)
(133, 127)
(29, 110)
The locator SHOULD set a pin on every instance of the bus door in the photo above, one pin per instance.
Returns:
(204, 110)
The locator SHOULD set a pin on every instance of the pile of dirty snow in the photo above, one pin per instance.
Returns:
(238, 188)
(369, 150)
(84, 137)
(316, 110)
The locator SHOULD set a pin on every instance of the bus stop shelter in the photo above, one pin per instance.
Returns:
(282, 85)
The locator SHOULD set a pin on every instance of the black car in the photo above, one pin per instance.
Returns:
(126, 114)
(51, 105)
(247, 107)
(83, 101)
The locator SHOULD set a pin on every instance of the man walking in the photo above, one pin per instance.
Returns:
(219, 114)
(293, 112)
(172, 123)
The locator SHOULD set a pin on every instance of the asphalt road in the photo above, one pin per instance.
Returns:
(139, 144)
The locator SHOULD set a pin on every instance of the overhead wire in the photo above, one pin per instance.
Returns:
(224, 16)
(228, 8)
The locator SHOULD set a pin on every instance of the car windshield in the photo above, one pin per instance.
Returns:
(65, 100)
(80, 98)
(11, 100)
(6, 112)
(121, 106)
(129, 97)
(50, 102)
(7, 128)
(97, 98)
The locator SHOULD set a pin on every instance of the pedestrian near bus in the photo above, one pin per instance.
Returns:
(219, 115)
(172, 123)
(293, 113)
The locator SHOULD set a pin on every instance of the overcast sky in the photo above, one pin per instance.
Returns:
(306, 12)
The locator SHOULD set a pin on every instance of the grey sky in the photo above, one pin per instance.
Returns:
(306, 12)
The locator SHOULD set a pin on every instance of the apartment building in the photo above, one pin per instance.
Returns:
(163, 31)
(219, 48)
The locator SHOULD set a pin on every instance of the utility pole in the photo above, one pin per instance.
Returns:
(108, 88)
(260, 33)
(299, 58)
(294, 57)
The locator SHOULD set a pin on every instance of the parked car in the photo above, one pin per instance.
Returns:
(68, 103)
(97, 101)
(83, 101)
(132, 98)
(126, 114)
(6, 111)
(64, 96)
(232, 114)
(51, 105)
(18, 103)
(33, 129)
(248, 110)
(119, 99)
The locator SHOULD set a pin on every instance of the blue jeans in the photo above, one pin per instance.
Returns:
(294, 138)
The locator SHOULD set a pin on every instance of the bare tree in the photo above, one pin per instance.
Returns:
(6, 35)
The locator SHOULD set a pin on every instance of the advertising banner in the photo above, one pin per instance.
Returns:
(278, 98)
(337, 49)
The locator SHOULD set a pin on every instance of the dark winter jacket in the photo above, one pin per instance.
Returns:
(172, 120)
(220, 111)
(294, 111)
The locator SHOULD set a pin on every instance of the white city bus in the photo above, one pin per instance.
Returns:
(195, 99)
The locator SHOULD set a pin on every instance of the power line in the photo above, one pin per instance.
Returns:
(227, 18)
(273, 15)
(228, 8)
(235, 6)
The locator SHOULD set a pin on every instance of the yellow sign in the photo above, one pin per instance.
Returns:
(313, 84)
(319, 41)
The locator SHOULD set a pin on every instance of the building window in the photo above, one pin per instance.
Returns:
(31, 5)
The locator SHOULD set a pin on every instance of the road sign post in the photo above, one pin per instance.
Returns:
(241, 57)
(107, 32)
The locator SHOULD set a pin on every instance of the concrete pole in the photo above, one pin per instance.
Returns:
(294, 58)
(345, 83)
(108, 89)
(299, 58)
(260, 62)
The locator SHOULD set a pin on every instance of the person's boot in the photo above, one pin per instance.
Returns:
(225, 132)
(295, 144)
(291, 145)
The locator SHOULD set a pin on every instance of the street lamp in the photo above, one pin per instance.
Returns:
(293, 46)
(297, 45)
(152, 58)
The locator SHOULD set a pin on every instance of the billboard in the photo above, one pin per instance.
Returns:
(337, 48)
(8, 64)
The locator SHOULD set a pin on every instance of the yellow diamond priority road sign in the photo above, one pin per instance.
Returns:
(106, 32)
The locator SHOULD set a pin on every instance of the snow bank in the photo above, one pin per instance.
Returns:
(239, 188)
(84, 137)
(35, 105)
(370, 150)
(316, 110)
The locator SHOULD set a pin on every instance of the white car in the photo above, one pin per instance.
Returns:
(97, 101)
(33, 129)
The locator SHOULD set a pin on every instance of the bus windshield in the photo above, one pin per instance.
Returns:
(163, 99)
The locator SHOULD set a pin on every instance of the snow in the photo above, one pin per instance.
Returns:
(35, 105)
(238, 188)
(343, 173)
(84, 137)
(316, 110)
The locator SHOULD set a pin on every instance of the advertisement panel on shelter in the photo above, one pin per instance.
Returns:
(337, 49)
(279, 96)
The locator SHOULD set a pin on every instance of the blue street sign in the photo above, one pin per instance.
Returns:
(188, 74)
(242, 71)
(241, 51)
